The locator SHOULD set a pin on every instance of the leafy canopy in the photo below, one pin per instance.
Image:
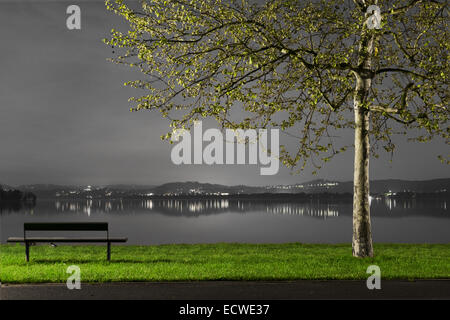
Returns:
(290, 64)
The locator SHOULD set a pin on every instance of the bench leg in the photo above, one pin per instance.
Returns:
(27, 250)
(108, 253)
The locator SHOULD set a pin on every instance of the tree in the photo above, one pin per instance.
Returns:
(305, 66)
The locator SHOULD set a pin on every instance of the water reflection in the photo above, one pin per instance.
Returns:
(169, 220)
(196, 207)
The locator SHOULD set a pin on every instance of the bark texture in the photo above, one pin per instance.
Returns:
(362, 234)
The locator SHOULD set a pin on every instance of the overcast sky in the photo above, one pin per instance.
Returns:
(64, 114)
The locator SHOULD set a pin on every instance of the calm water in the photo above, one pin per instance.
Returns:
(208, 221)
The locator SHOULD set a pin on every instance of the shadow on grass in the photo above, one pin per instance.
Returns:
(104, 261)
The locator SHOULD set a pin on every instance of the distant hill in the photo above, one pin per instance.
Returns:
(395, 185)
(126, 187)
(6, 187)
(197, 187)
(47, 190)
(377, 186)
(193, 188)
(13, 195)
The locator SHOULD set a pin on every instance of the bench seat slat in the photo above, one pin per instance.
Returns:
(64, 239)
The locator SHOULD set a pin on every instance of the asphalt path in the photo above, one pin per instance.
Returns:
(231, 290)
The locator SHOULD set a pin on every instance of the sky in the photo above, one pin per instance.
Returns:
(64, 114)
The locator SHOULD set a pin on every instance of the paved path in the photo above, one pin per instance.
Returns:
(234, 290)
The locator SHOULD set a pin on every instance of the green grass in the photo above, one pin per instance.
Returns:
(224, 261)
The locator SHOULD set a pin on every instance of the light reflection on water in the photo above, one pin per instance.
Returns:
(197, 207)
(208, 206)
(154, 221)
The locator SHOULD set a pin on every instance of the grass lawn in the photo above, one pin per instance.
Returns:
(223, 261)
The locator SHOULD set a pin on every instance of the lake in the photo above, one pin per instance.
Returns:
(221, 220)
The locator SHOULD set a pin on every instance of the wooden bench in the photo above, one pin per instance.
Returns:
(71, 226)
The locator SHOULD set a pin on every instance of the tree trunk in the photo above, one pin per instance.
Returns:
(362, 234)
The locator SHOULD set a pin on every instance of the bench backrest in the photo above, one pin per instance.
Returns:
(70, 226)
(67, 226)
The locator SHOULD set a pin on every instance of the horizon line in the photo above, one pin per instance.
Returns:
(191, 181)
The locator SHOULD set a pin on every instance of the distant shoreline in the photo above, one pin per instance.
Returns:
(291, 197)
